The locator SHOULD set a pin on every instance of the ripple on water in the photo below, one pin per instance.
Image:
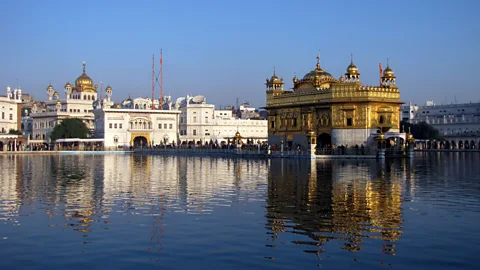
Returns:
(152, 211)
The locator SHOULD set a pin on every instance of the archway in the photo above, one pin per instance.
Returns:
(446, 145)
(460, 145)
(324, 140)
(472, 145)
(467, 145)
(140, 141)
(1, 146)
(454, 145)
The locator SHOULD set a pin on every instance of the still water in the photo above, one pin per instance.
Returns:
(166, 212)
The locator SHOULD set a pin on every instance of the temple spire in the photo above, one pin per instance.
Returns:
(84, 65)
(351, 58)
(318, 60)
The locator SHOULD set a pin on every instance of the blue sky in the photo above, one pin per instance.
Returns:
(226, 49)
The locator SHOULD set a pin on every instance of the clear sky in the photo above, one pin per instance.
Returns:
(226, 49)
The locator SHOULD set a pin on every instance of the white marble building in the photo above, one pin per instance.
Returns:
(10, 118)
(78, 103)
(135, 123)
(450, 120)
(10, 110)
(201, 123)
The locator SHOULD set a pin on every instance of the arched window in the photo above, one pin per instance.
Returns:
(382, 119)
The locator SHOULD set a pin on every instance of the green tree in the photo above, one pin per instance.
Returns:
(14, 131)
(422, 131)
(70, 128)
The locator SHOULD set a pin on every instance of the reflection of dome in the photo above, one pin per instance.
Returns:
(59, 102)
(84, 83)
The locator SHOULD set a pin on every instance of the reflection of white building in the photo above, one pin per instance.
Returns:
(452, 119)
(78, 102)
(135, 123)
(200, 122)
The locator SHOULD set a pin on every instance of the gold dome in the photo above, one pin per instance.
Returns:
(388, 72)
(352, 69)
(59, 102)
(341, 79)
(55, 93)
(295, 79)
(68, 85)
(84, 83)
(274, 79)
(318, 73)
(50, 87)
(108, 88)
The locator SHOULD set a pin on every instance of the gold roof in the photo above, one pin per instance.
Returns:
(50, 87)
(55, 93)
(352, 69)
(318, 73)
(68, 85)
(388, 72)
(108, 88)
(274, 79)
(84, 83)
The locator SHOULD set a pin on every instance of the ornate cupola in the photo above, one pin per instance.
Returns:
(388, 77)
(68, 89)
(50, 92)
(274, 83)
(352, 74)
(108, 90)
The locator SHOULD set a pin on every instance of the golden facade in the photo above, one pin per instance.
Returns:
(343, 111)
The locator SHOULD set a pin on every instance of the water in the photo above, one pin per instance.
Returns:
(124, 211)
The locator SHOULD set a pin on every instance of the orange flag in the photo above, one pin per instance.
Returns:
(381, 69)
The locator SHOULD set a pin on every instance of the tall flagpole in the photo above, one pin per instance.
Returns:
(161, 79)
(153, 81)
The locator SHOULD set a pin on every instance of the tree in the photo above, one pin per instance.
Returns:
(14, 131)
(422, 131)
(70, 128)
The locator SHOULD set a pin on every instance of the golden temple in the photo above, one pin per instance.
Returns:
(340, 111)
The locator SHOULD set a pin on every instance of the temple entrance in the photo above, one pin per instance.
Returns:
(324, 140)
(140, 141)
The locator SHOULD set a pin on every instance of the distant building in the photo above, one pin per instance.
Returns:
(339, 111)
(135, 123)
(450, 120)
(201, 123)
(10, 118)
(78, 103)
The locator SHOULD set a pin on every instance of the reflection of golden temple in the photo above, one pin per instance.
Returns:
(346, 200)
(341, 112)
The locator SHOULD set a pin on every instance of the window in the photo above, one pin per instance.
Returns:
(110, 125)
(294, 122)
(159, 126)
(3, 115)
(181, 120)
(115, 126)
(164, 126)
(11, 116)
(171, 126)
(349, 122)
(194, 119)
(119, 125)
(206, 119)
(382, 119)
(194, 132)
